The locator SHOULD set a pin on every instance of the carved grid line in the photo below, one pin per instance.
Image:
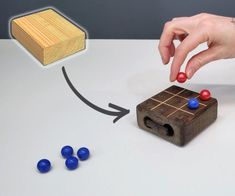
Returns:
(185, 97)
(177, 109)
(162, 102)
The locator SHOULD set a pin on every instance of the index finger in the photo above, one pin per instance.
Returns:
(187, 45)
(170, 30)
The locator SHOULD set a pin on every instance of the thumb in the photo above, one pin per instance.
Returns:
(200, 59)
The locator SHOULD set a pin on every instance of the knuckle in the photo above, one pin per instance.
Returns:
(173, 19)
(181, 50)
(198, 62)
(206, 24)
(203, 15)
(167, 25)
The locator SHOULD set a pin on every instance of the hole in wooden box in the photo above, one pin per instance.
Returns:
(165, 130)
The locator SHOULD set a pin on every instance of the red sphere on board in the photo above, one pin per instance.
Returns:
(205, 95)
(181, 77)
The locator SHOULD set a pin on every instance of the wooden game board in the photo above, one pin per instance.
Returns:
(168, 116)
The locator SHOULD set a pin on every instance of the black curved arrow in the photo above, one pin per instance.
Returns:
(119, 114)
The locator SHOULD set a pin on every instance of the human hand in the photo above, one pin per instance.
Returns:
(217, 31)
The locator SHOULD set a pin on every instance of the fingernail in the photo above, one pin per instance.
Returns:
(190, 73)
(171, 79)
(163, 60)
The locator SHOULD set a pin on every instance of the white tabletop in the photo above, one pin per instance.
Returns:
(39, 114)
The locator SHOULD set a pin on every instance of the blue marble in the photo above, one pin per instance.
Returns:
(193, 103)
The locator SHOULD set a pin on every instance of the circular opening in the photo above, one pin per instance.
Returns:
(170, 131)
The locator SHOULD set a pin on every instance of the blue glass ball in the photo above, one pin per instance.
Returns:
(193, 103)
(44, 165)
(67, 151)
(83, 153)
(71, 163)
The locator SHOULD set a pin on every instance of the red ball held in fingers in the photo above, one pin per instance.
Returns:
(181, 77)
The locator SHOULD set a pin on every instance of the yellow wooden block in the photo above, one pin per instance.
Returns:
(48, 35)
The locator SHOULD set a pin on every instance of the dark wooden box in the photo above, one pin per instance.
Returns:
(168, 116)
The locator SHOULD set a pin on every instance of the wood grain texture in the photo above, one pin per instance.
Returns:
(48, 35)
(168, 116)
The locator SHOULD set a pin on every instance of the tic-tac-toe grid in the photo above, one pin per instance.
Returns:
(172, 103)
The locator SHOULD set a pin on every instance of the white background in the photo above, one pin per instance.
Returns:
(39, 114)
